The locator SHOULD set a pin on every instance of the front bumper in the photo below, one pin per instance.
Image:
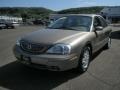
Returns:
(47, 61)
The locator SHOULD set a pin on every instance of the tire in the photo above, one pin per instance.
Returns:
(1, 28)
(108, 45)
(6, 27)
(84, 60)
(12, 27)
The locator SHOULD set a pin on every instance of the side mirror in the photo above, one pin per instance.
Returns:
(98, 28)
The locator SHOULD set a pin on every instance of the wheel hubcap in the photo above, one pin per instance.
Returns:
(85, 59)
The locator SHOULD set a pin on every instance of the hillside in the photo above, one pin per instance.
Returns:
(40, 12)
(82, 10)
(30, 12)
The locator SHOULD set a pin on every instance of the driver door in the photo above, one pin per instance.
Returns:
(99, 35)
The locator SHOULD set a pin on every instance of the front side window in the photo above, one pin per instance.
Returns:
(80, 23)
(104, 23)
(97, 22)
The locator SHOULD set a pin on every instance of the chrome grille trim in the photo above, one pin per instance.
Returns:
(33, 48)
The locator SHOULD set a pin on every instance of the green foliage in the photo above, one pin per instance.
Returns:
(26, 13)
(82, 10)
(43, 13)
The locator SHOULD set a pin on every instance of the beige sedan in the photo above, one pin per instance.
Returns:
(67, 43)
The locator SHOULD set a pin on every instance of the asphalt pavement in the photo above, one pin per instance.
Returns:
(103, 72)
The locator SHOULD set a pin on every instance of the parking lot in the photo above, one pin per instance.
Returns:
(103, 72)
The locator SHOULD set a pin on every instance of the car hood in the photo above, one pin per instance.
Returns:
(52, 36)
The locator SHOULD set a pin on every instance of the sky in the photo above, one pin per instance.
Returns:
(58, 4)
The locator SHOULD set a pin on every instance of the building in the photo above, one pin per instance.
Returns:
(12, 19)
(111, 14)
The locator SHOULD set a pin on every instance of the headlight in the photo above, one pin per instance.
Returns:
(61, 49)
(18, 42)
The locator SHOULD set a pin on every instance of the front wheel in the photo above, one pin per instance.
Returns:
(85, 58)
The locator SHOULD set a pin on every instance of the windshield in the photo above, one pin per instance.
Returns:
(80, 23)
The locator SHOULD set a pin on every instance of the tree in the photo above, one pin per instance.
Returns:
(82, 10)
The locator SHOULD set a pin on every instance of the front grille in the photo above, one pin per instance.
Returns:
(33, 47)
